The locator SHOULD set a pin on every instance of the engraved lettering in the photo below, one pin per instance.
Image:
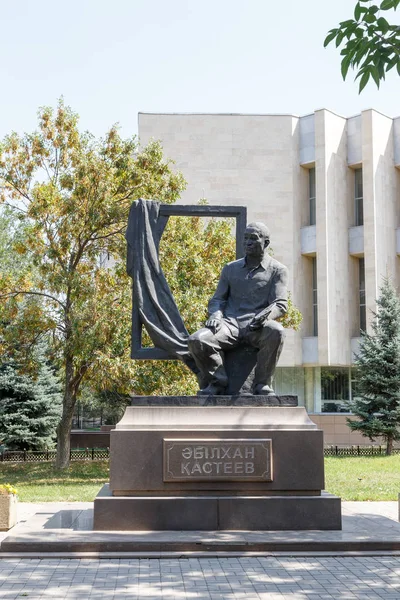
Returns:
(217, 459)
(249, 452)
(198, 453)
(185, 469)
(215, 453)
(187, 453)
(196, 468)
(226, 452)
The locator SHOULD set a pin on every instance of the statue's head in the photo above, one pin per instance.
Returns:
(256, 239)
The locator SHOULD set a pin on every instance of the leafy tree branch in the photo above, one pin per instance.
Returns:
(369, 43)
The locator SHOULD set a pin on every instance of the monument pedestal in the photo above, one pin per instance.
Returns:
(216, 463)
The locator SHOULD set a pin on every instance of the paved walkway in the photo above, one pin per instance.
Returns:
(68, 527)
(276, 577)
(262, 578)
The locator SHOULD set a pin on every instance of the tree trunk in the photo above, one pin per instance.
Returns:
(65, 424)
(64, 440)
(389, 445)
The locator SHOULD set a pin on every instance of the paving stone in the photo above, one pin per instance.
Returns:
(262, 578)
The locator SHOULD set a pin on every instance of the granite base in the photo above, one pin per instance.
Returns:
(216, 513)
(216, 464)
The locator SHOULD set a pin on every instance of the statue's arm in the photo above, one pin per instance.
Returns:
(277, 300)
(278, 294)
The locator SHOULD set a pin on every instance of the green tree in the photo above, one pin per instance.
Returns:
(109, 405)
(11, 232)
(73, 194)
(377, 401)
(370, 44)
(30, 407)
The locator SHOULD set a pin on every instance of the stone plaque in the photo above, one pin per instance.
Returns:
(217, 460)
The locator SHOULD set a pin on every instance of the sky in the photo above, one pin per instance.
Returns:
(111, 59)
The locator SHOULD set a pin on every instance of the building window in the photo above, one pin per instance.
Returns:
(361, 295)
(358, 197)
(311, 195)
(335, 389)
(314, 297)
(354, 392)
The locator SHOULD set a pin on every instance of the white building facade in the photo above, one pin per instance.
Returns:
(329, 189)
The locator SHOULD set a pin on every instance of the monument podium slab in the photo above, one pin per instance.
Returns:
(210, 463)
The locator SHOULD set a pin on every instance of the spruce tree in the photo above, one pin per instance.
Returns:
(30, 406)
(377, 403)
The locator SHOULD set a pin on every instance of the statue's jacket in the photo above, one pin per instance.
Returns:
(242, 292)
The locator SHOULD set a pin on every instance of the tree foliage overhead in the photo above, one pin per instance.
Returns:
(370, 44)
(377, 401)
(11, 235)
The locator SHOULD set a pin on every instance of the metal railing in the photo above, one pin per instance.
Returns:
(357, 451)
(104, 453)
(50, 455)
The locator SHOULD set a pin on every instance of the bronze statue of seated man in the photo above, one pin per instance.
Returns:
(251, 294)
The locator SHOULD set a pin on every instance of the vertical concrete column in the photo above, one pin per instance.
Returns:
(332, 192)
(380, 204)
(292, 353)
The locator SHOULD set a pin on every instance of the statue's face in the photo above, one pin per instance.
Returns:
(254, 242)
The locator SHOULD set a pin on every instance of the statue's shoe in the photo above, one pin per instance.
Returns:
(264, 390)
(211, 390)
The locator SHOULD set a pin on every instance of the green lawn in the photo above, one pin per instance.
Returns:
(41, 482)
(351, 478)
(363, 478)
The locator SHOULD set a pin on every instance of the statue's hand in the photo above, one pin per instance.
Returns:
(258, 320)
(213, 324)
(256, 323)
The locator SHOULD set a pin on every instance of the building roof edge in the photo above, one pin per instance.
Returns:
(238, 114)
(218, 114)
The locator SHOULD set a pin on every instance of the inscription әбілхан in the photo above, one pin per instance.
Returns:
(213, 460)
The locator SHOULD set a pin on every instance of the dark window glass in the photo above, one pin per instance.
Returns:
(354, 384)
(358, 197)
(315, 296)
(361, 288)
(312, 195)
(335, 389)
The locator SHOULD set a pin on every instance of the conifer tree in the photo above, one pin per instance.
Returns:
(30, 406)
(377, 404)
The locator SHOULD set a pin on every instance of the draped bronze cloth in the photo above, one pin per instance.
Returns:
(151, 292)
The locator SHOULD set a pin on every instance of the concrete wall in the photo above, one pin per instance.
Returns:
(380, 203)
(338, 433)
(90, 439)
(354, 144)
(307, 139)
(332, 238)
